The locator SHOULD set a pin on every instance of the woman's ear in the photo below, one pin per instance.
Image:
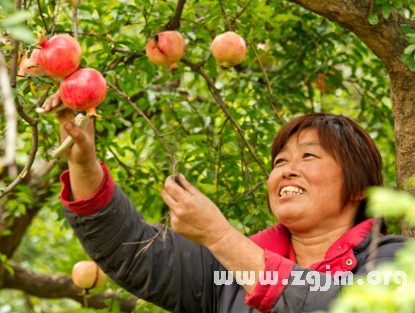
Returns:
(358, 198)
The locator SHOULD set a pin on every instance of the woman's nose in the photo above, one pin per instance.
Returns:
(291, 170)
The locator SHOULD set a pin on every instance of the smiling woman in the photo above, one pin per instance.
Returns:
(322, 165)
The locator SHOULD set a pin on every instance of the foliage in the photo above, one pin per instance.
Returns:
(209, 152)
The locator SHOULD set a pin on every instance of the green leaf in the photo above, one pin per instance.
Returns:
(380, 1)
(397, 3)
(287, 17)
(407, 29)
(16, 18)
(373, 19)
(411, 64)
(21, 208)
(115, 307)
(205, 55)
(22, 33)
(386, 9)
(409, 49)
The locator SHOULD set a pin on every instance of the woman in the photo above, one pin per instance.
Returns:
(322, 165)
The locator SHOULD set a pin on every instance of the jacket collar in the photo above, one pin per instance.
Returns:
(339, 257)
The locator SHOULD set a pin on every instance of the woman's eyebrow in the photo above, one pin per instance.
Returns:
(302, 145)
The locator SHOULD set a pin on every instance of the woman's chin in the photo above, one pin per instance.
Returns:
(289, 215)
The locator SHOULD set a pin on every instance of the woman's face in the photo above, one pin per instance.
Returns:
(305, 186)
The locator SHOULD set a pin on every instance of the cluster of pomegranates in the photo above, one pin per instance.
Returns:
(87, 275)
(168, 47)
(59, 57)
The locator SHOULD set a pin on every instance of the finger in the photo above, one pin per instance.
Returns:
(174, 190)
(187, 186)
(52, 102)
(57, 101)
(171, 203)
(76, 133)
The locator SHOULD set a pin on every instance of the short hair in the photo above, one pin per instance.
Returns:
(348, 143)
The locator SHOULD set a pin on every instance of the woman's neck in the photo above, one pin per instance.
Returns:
(310, 248)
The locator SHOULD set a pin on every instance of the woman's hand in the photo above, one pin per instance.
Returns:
(86, 175)
(197, 218)
(193, 215)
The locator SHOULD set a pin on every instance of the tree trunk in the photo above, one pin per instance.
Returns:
(387, 42)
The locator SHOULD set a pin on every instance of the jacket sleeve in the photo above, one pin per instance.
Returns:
(308, 290)
(171, 274)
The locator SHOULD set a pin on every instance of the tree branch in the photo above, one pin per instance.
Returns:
(242, 11)
(15, 52)
(175, 21)
(18, 225)
(59, 286)
(216, 94)
(225, 15)
(35, 139)
(75, 18)
(41, 15)
(266, 78)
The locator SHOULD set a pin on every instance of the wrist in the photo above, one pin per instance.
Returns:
(219, 236)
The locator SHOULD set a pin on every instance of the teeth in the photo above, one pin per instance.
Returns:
(291, 190)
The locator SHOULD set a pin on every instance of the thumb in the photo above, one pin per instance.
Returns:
(75, 132)
(187, 186)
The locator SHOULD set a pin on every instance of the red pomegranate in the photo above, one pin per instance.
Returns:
(4, 39)
(87, 275)
(228, 49)
(60, 56)
(166, 49)
(84, 90)
(25, 63)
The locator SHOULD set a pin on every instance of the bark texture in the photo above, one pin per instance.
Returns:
(387, 42)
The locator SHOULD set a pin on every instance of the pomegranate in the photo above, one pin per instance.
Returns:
(60, 56)
(321, 81)
(25, 63)
(84, 90)
(228, 49)
(4, 39)
(87, 275)
(166, 49)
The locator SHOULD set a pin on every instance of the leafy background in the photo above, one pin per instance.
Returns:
(313, 65)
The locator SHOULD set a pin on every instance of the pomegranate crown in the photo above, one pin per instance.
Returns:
(42, 39)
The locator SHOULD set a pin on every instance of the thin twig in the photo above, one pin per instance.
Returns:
(372, 3)
(121, 163)
(242, 11)
(55, 18)
(225, 15)
(41, 15)
(32, 154)
(15, 52)
(10, 115)
(216, 95)
(201, 25)
(75, 18)
(160, 136)
(266, 78)
(173, 131)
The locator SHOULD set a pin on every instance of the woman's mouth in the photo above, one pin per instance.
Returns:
(291, 191)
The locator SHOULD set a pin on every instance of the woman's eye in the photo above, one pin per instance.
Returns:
(306, 155)
(279, 161)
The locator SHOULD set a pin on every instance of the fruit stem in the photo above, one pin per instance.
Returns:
(93, 114)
